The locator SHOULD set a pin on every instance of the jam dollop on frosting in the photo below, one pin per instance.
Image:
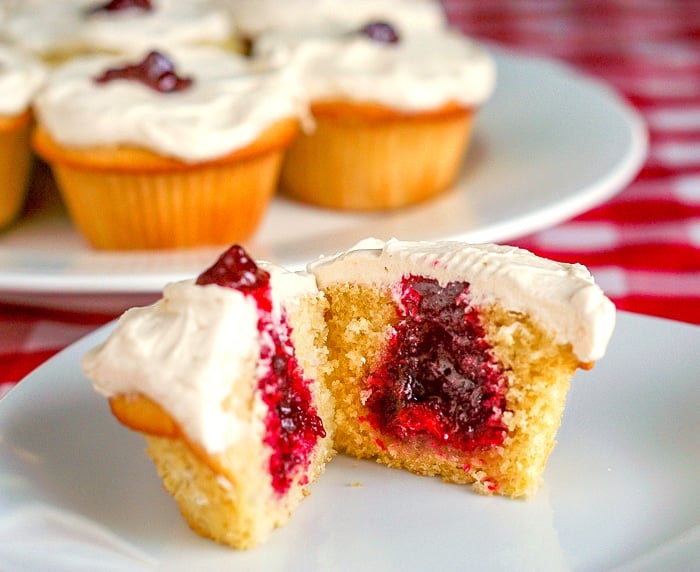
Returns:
(156, 71)
(120, 6)
(437, 379)
(381, 32)
(292, 424)
(235, 269)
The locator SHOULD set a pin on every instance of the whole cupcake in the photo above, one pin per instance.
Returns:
(393, 113)
(165, 151)
(58, 31)
(21, 75)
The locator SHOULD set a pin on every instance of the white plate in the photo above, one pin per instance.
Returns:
(550, 144)
(620, 489)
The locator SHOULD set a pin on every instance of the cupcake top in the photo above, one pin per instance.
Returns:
(191, 351)
(220, 102)
(563, 298)
(254, 17)
(416, 71)
(49, 28)
(21, 75)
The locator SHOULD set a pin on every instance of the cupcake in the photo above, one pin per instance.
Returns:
(20, 77)
(392, 113)
(57, 31)
(176, 150)
(223, 376)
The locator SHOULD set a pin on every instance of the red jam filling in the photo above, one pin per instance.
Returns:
(292, 425)
(121, 5)
(438, 379)
(155, 71)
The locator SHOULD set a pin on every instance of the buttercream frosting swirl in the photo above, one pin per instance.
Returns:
(254, 17)
(21, 76)
(563, 298)
(422, 71)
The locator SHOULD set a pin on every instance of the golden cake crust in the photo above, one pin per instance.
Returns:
(139, 160)
(371, 112)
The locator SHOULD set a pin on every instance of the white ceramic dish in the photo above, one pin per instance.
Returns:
(620, 492)
(550, 144)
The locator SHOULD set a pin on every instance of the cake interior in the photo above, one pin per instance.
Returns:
(424, 380)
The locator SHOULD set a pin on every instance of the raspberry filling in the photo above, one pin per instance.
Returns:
(155, 71)
(120, 5)
(437, 378)
(292, 425)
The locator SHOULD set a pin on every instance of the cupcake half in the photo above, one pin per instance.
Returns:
(224, 378)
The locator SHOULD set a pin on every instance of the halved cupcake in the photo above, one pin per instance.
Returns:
(454, 359)
(176, 150)
(224, 377)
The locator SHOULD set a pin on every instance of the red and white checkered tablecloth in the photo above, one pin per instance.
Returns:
(643, 246)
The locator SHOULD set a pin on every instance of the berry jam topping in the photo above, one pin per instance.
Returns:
(235, 269)
(156, 71)
(438, 379)
(292, 425)
(120, 5)
(381, 32)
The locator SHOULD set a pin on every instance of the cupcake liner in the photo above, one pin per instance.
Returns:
(128, 198)
(15, 163)
(210, 205)
(364, 158)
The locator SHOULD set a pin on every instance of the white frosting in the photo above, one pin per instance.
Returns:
(195, 353)
(254, 17)
(170, 23)
(45, 26)
(21, 75)
(422, 71)
(42, 26)
(226, 107)
(563, 298)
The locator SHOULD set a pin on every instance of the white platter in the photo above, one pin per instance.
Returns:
(620, 490)
(550, 144)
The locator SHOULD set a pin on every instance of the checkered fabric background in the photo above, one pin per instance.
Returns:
(643, 246)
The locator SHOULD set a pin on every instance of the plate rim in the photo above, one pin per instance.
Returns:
(668, 551)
